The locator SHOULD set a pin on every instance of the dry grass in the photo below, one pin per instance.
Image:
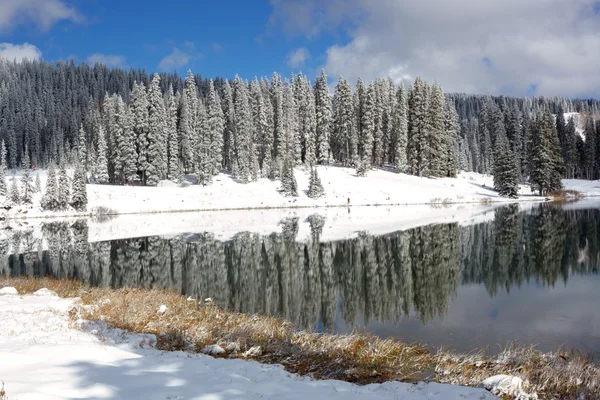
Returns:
(566, 196)
(359, 358)
(3, 395)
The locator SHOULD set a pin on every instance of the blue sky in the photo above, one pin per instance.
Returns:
(512, 47)
(209, 37)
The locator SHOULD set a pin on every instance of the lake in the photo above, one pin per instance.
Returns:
(529, 276)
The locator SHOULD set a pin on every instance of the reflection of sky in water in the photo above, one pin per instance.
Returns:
(565, 315)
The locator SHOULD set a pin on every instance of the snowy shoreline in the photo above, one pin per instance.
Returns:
(45, 356)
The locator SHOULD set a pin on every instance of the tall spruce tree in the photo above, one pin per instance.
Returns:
(27, 188)
(450, 164)
(3, 188)
(79, 198)
(315, 187)
(216, 126)
(14, 196)
(50, 197)
(157, 134)
(435, 144)
(172, 136)
(82, 146)
(243, 131)
(418, 133)
(64, 187)
(141, 126)
(324, 114)
(400, 130)
(101, 165)
(345, 137)
(505, 169)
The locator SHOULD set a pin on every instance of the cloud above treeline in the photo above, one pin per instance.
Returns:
(541, 47)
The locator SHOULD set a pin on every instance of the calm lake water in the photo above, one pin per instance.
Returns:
(532, 277)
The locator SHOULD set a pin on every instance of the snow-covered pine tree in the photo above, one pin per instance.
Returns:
(101, 165)
(172, 137)
(215, 126)
(82, 146)
(324, 113)
(64, 187)
(505, 169)
(3, 188)
(79, 198)
(367, 123)
(139, 110)
(268, 141)
(400, 130)
(279, 123)
(243, 131)
(418, 105)
(308, 116)
(263, 138)
(228, 118)
(188, 122)
(157, 130)
(50, 197)
(127, 143)
(379, 116)
(27, 188)
(202, 153)
(345, 137)
(435, 142)
(14, 196)
(545, 164)
(292, 115)
(289, 185)
(450, 164)
(38, 184)
(363, 166)
(315, 187)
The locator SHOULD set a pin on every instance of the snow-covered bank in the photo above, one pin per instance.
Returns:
(341, 185)
(342, 188)
(44, 357)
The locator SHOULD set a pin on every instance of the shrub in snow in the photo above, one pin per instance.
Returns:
(315, 187)
(362, 168)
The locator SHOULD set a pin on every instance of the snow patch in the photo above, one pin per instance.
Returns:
(213, 350)
(253, 352)
(8, 291)
(162, 309)
(45, 293)
(507, 385)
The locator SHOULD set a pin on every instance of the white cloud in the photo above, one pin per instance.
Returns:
(179, 58)
(19, 52)
(43, 13)
(298, 57)
(477, 46)
(110, 60)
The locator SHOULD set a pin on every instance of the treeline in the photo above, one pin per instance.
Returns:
(380, 277)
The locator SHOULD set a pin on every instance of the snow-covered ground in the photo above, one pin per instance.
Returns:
(379, 188)
(42, 356)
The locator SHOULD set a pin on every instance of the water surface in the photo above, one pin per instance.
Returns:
(528, 276)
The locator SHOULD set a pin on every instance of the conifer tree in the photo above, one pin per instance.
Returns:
(79, 190)
(279, 140)
(216, 126)
(101, 165)
(367, 123)
(172, 137)
(450, 160)
(126, 143)
(345, 131)
(289, 185)
(308, 123)
(139, 111)
(418, 133)
(228, 117)
(545, 163)
(82, 146)
(50, 197)
(435, 143)
(243, 131)
(64, 187)
(157, 130)
(27, 188)
(324, 114)
(188, 122)
(3, 188)
(505, 169)
(400, 130)
(14, 196)
(315, 187)
(38, 183)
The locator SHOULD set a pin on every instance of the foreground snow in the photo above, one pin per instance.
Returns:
(43, 357)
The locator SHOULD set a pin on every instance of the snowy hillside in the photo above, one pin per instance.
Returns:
(579, 123)
(342, 187)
